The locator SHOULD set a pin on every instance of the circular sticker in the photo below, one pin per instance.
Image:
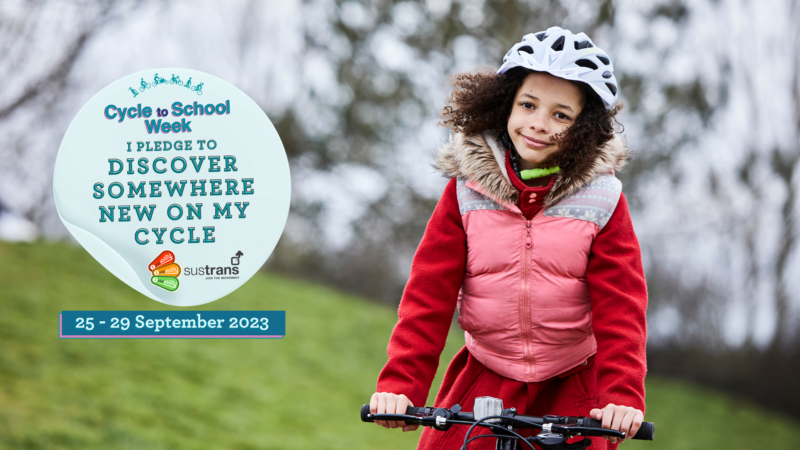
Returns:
(176, 182)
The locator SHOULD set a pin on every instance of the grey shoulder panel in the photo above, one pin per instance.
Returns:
(471, 200)
(595, 202)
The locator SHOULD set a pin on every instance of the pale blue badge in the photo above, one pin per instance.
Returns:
(176, 182)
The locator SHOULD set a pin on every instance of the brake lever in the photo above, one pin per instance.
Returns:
(575, 429)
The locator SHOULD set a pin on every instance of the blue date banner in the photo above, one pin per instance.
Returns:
(172, 324)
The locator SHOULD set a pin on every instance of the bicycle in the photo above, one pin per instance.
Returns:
(489, 413)
(158, 80)
(198, 89)
(145, 85)
(176, 80)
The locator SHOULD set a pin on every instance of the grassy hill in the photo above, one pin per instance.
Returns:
(301, 392)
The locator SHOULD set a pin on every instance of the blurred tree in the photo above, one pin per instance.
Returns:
(714, 186)
(36, 70)
(392, 59)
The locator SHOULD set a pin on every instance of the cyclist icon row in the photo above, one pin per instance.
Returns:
(174, 80)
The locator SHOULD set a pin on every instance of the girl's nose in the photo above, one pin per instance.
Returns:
(539, 122)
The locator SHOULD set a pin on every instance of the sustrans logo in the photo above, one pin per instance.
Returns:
(215, 272)
(232, 272)
(165, 271)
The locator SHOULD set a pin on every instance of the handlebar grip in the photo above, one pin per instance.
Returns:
(410, 411)
(594, 423)
(365, 413)
(646, 432)
(413, 410)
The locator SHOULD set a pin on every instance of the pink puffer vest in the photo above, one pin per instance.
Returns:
(524, 304)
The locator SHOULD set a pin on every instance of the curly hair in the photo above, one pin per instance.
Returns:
(482, 100)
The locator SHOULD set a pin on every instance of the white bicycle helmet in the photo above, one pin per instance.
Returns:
(565, 55)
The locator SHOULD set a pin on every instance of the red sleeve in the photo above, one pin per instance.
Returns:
(619, 302)
(428, 302)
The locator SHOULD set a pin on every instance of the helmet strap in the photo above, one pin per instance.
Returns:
(514, 155)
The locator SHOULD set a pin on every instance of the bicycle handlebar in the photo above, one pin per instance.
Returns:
(442, 418)
(646, 432)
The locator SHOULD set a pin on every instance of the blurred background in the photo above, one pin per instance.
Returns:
(712, 111)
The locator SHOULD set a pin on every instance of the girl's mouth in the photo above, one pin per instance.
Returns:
(535, 143)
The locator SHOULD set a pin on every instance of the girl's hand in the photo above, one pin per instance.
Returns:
(620, 418)
(387, 403)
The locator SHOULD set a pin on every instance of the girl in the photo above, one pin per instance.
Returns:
(533, 242)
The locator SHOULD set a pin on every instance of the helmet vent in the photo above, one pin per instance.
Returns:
(606, 74)
(604, 60)
(526, 49)
(612, 88)
(541, 36)
(582, 45)
(558, 45)
(586, 63)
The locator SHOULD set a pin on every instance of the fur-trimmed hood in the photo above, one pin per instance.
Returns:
(481, 158)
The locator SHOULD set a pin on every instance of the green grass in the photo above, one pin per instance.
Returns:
(301, 392)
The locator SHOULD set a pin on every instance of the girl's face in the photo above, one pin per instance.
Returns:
(544, 106)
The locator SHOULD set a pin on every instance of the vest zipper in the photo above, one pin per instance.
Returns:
(528, 241)
(525, 307)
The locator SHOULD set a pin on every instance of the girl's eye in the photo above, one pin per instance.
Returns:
(527, 105)
(562, 116)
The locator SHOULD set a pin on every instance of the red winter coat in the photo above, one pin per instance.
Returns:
(614, 275)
